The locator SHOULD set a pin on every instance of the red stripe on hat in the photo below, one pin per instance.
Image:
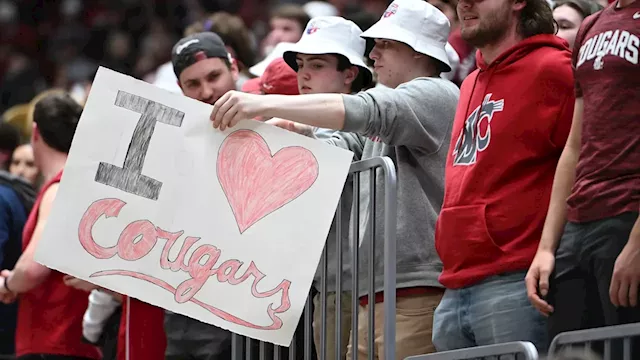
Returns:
(200, 55)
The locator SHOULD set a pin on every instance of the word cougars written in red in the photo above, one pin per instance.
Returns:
(139, 238)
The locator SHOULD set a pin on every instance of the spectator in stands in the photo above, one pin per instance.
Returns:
(408, 120)
(586, 272)
(205, 71)
(331, 60)
(237, 40)
(512, 122)
(9, 141)
(569, 14)
(23, 164)
(286, 24)
(236, 37)
(13, 214)
(50, 313)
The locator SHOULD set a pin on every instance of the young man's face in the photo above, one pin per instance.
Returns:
(485, 22)
(207, 80)
(392, 60)
(318, 74)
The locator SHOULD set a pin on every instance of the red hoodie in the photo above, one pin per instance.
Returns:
(512, 122)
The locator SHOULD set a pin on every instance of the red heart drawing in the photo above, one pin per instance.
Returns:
(257, 183)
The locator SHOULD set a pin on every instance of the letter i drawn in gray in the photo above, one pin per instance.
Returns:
(129, 177)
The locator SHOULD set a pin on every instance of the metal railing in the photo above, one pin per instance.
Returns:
(521, 350)
(378, 168)
(617, 341)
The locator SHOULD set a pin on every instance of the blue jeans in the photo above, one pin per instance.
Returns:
(493, 311)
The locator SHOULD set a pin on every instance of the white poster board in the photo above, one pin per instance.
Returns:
(225, 227)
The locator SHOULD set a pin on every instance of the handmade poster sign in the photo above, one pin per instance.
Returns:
(225, 227)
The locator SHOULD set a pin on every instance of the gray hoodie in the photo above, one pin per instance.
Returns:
(411, 125)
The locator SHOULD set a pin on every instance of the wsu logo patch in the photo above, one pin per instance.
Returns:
(391, 10)
(471, 139)
(312, 28)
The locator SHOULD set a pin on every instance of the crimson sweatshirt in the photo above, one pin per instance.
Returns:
(511, 124)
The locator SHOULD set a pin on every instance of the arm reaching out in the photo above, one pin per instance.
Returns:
(537, 278)
(319, 110)
(418, 113)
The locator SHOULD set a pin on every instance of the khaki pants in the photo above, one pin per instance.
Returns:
(414, 322)
(345, 324)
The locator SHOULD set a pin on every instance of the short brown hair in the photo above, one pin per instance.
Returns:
(293, 12)
(536, 18)
(233, 33)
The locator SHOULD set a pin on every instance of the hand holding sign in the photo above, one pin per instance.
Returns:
(157, 205)
(235, 106)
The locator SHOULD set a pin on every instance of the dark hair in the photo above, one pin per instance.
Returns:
(9, 137)
(359, 83)
(293, 12)
(9, 141)
(57, 117)
(536, 18)
(583, 7)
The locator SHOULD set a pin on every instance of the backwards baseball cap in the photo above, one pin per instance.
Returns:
(418, 24)
(332, 35)
(196, 47)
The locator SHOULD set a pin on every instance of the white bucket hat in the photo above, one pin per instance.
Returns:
(416, 23)
(277, 52)
(332, 35)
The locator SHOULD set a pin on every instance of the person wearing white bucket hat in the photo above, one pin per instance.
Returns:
(424, 29)
(329, 58)
(409, 120)
(330, 41)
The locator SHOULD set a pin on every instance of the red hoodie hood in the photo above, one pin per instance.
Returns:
(520, 50)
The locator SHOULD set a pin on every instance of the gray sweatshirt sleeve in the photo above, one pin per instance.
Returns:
(345, 140)
(417, 113)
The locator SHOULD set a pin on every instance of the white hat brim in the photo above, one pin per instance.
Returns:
(259, 68)
(393, 32)
(325, 47)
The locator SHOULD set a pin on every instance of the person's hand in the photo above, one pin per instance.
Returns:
(537, 280)
(78, 283)
(292, 126)
(235, 106)
(6, 297)
(626, 276)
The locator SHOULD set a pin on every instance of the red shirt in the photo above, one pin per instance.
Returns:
(50, 315)
(141, 335)
(511, 125)
(608, 79)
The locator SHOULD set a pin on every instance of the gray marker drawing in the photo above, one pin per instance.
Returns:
(129, 177)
